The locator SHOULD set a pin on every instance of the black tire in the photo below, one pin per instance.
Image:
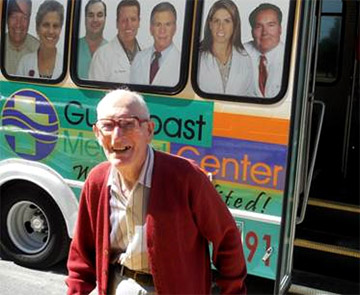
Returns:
(33, 231)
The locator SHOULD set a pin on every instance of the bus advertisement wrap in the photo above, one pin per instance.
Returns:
(249, 175)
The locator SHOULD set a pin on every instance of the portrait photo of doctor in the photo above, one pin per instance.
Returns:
(18, 41)
(266, 49)
(159, 64)
(111, 62)
(224, 65)
(47, 61)
(95, 18)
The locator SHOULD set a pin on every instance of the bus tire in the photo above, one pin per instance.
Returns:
(33, 231)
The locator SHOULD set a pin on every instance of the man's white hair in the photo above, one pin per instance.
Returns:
(118, 94)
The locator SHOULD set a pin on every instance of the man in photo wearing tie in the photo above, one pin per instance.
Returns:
(266, 50)
(159, 64)
(111, 62)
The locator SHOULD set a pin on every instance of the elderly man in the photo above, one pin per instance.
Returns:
(111, 63)
(17, 41)
(160, 63)
(266, 50)
(146, 217)
(95, 18)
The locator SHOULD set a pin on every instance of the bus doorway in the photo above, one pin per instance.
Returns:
(337, 83)
(330, 231)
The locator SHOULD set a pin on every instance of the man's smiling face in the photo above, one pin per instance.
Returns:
(125, 149)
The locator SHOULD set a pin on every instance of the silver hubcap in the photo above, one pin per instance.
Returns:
(28, 227)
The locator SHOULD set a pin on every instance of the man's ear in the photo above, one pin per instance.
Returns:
(97, 134)
(151, 127)
(95, 130)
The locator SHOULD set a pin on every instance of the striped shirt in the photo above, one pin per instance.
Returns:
(127, 218)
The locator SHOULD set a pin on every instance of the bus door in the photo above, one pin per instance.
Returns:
(299, 162)
(333, 194)
(335, 87)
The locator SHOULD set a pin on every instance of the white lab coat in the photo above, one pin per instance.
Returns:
(28, 66)
(240, 81)
(274, 67)
(110, 63)
(168, 73)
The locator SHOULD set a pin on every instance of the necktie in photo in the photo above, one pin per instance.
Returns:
(154, 67)
(262, 74)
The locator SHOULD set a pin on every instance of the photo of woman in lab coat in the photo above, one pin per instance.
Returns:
(46, 62)
(224, 66)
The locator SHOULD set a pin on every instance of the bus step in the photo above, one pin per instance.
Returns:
(335, 262)
(314, 284)
(327, 242)
(332, 224)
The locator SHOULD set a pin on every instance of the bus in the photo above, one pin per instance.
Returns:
(282, 151)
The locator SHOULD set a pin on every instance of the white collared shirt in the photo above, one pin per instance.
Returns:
(164, 54)
(127, 218)
(274, 67)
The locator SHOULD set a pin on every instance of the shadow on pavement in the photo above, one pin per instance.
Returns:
(59, 268)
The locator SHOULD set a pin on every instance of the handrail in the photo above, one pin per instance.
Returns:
(308, 179)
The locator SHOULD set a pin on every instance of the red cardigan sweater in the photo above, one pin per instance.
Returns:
(184, 213)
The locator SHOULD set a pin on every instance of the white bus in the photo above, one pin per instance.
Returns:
(256, 139)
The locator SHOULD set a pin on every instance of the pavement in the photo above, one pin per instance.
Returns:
(18, 280)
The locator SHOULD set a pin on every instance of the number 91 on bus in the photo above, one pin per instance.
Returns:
(260, 242)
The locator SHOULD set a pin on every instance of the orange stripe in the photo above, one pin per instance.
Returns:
(269, 130)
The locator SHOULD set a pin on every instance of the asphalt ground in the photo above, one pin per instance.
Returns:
(18, 280)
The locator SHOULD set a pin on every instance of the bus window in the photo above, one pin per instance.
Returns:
(330, 40)
(34, 40)
(234, 60)
(143, 45)
(332, 6)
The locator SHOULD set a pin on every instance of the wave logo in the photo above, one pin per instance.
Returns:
(31, 124)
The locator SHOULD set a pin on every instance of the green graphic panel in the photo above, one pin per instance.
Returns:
(176, 120)
(76, 150)
(159, 145)
(250, 198)
(182, 121)
(260, 243)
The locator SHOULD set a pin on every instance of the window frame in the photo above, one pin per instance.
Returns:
(152, 89)
(243, 99)
(65, 53)
(340, 50)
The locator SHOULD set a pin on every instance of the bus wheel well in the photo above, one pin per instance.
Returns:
(20, 184)
(33, 230)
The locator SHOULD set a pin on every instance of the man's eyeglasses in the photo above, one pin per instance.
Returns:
(127, 125)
